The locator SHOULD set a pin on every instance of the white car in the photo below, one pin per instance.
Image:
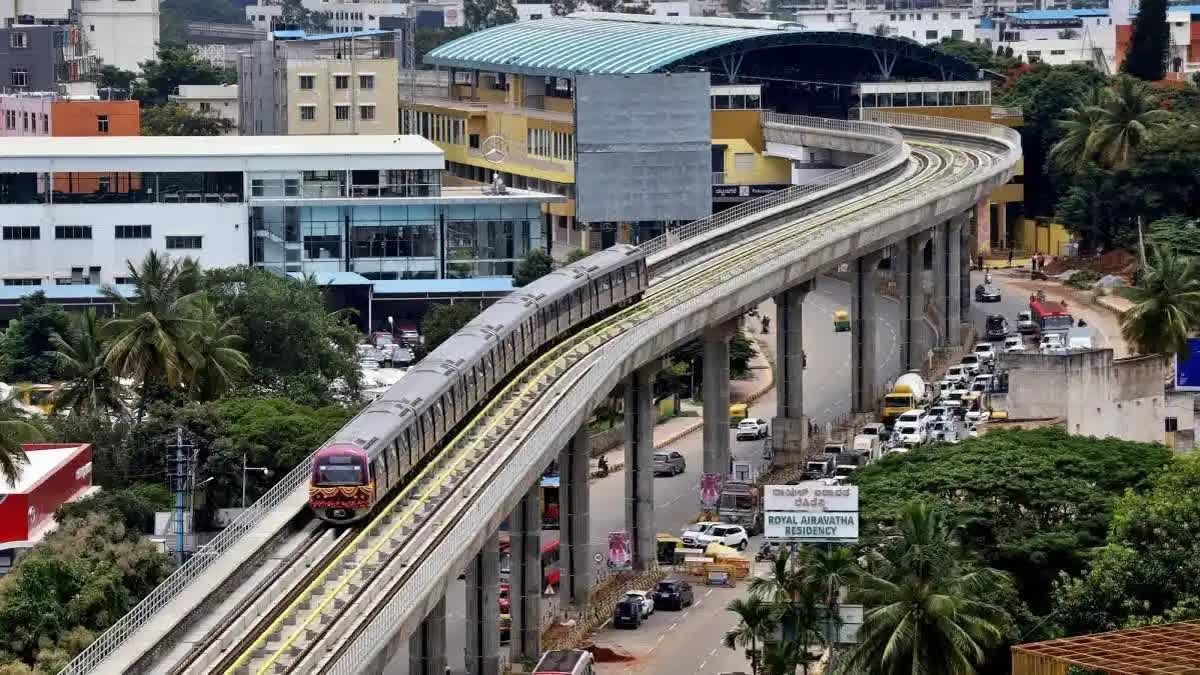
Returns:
(982, 383)
(911, 434)
(957, 373)
(691, 533)
(945, 431)
(915, 416)
(937, 412)
(733, 536)
(985, 352)
(1025, 323)
(751, 428)
(1014, 344)
(644, 598)
(971, 364)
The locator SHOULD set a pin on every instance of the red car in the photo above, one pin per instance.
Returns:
(505, 601)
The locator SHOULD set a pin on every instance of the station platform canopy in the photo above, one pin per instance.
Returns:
(624, 44)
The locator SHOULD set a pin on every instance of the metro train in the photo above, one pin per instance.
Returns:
(392, 438)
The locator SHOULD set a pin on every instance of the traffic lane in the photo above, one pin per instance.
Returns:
(1012, 300)
(680, 642)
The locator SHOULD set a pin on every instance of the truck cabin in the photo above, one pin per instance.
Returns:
(844, 470)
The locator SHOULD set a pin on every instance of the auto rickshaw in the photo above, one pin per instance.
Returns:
(841, 321)
(737, 413)
(668, 545)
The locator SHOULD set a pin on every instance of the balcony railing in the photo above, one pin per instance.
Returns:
(999, 112)
(371, 191)
(718, 178)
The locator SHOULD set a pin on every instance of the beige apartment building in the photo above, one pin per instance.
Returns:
(297, 84)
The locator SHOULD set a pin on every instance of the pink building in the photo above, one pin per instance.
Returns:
(26, 114)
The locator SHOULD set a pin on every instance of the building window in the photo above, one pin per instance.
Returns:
(192, 242)
(366, 81)
(25, 281)
(955, 15)
(123, 280)
(534, 17)
(1032, 55)
(22, 232)
(72, 231)
(366, 112)
(19, 77)
(133, 231)
(341, 112)
(931, 35)
(19, 40)
(102, 123)
(956, 34)
(1171, 422)
(308, 112)
(205, 106)
(341, 81)
(45, 123)
(308, 81)
(25, 121)
(935, 16)
(1057, 52)
(552, 144)
(10, 119)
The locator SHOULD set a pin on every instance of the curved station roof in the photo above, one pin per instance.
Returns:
(625, 44)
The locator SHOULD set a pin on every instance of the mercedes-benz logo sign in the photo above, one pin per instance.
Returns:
(495, 149)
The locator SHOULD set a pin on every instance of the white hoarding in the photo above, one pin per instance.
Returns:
(812, 495)
(812, 527)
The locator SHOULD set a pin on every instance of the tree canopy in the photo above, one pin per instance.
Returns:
(535, 265)
(1147, 56)
(172, 66)
(481, 14)
(27, 345)
(173, 119)
(442, 321)
(1030, 503)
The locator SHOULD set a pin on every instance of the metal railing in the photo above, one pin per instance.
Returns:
(608, 365)
(1000, 112)
(116, 635)
(789, 195)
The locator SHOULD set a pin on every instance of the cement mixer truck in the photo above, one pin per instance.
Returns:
(909, 392)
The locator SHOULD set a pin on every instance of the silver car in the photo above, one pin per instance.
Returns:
(670, 463)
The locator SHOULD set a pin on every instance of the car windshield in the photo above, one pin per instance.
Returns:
(969, 359)
(1024, 316)
(1056, 322)
(995, 322)
(660, 457)
(666, 587)
(983, 348)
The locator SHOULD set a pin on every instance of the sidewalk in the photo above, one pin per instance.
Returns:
(1105, 317)
(761, 380)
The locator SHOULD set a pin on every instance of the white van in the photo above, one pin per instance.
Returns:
(916, 416)
(1014, 344)
(1051, 343)
(911, 433)
(868, 445)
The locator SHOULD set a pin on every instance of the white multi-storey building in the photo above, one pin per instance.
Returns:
(210, 99)
(356, 15)
(76, 210)
(922, 25)
(532, 11)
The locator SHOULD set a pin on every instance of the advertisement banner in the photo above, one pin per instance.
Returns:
(710, 489)
(811, 495)
(619, 555)
(812, 527)
(1187, 371)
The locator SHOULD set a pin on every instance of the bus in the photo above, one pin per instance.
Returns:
(1050, 317)
(551, 555)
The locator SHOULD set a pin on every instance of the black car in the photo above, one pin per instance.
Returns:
(627, 613)
(672, 594)
(987, 293)
(996, 327)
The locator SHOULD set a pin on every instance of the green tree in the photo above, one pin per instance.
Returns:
(108, 76)
(134, 506)
(1149, 571)
(922, 608)
(28, 351)
(756, 623)
(1031, 503)
(175, 15)
(1147, 56)
(90, 388)
(172, 66)
(1094, 208)
(217, 363)
(978, 55)
(481, 14)
(173, 119)
(563, 7)
(1127, 122)
(1178, 234)
(442, 321)
(1077, 147)
(535, 265)
(14, 430)
(1166, 305)
(296, 348)
(828, 571)
(149, 340)
(296, 14)
(428, 39)
(577, 254)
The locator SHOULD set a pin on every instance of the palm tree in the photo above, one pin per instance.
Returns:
(149, 340)
(90, 388)
(1166, 305)
(1127, 121)
(13, 432)
(1077, 148)
(756, 622)
(790, 590)
(924, 614)
(780, 658)
(783, 585)
(216, 361)
(829, 571)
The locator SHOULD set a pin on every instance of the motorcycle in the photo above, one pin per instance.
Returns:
(603, 468)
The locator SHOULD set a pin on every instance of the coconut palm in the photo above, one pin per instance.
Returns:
(216, 363)
(924, 615)
(149, 339)
(783, 585)
(1127, 121)
(1166, 305)
(90, 387)
(756, 623)
(13, 432)
(829, 571)
(1077, 148)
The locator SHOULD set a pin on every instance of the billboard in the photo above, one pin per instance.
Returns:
(619, 555)
(1187, 371)
(710, 489)
(812, 495)
(808, 526)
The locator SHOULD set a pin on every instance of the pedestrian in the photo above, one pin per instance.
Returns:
(766, 321)
(980, 261)
(1010, 257)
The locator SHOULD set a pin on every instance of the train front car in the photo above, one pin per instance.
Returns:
(342, 489)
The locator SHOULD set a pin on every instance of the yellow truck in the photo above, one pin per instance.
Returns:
(906, 394)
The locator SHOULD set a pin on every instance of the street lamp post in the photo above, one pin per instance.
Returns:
(263, 469)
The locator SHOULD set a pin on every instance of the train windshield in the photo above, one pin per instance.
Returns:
(340, 471)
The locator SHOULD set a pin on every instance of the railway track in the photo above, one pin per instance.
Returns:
(383, 549)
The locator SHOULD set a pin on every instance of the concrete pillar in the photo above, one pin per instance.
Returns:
(789, 429)
(955, 272)
(940, 298)
(525, 576)
(574, 493)
(1001, 225)
(716, 397)
(864, 328)
(965, 296)
(483, 611)
(427, 646)
(909, 271)
(639, 466)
